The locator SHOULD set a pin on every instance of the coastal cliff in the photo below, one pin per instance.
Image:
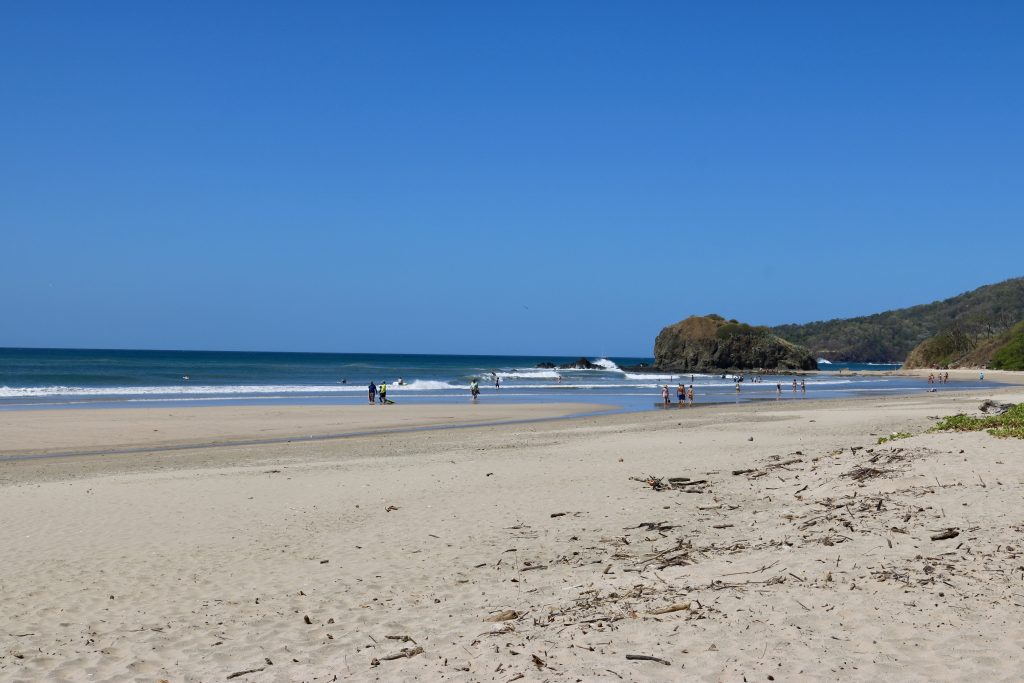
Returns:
(711, 343)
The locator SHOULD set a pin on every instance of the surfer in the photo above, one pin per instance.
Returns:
(474, 389)
(382, 393)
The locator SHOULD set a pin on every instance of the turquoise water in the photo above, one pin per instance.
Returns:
(70, 377)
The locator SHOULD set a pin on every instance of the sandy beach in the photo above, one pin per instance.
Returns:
(799, 548)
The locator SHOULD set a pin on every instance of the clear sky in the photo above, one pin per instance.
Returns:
(521, 177)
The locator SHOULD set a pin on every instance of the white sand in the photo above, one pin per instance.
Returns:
(194, 564)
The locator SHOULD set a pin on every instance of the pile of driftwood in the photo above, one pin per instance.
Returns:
(684, 484)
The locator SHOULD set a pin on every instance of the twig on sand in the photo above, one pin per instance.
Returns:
(756, 571)
(677, 607)
(943, 535)
(648, 658)
(405, 653)
(247, 671)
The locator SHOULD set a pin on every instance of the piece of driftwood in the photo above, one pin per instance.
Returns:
(247, 671)
(653, 526)
(785, 462)
(505, 615)
(648, 658)
(677, 607)
(405, 653)
(943, 535)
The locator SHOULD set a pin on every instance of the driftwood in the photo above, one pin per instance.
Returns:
(653, 526)
(247, 671)
(505, 615)
(405, 653)
(648, 658)
(860, 473)
(670, 483)
(943, 535)
(677, 607)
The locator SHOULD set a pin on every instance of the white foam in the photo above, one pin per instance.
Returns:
(528, 374)
(211, 390)
(652, 376)
(607, 364)
(822, 361)
(192, 389)
(422, 385)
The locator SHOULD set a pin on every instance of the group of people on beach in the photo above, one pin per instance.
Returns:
(379, 392)
(938, 379)
(802, 387)
(682, 395)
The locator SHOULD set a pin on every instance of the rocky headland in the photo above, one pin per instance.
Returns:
(711, 343)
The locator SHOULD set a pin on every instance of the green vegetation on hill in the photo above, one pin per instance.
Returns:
(978, 315)
(733, 328)
(1011, 355)
(955, 348)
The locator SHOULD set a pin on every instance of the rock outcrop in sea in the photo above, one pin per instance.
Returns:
(580, 364)
(711, 343)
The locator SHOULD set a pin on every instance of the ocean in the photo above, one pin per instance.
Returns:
(68, 378)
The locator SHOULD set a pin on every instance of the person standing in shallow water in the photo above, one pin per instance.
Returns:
(681, 394)
(664, 395)
(689, 395)
(373, 392)
(382, 393)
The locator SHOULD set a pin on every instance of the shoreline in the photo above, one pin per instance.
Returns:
(791, 554)
(47, 433)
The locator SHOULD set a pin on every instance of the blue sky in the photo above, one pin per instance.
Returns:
(496, 177)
